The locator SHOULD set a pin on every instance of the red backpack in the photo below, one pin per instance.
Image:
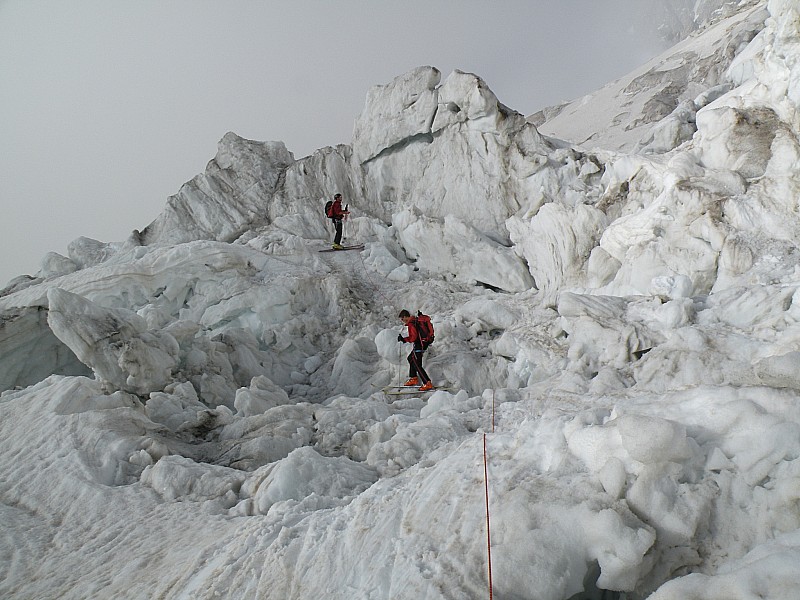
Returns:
(425, 329)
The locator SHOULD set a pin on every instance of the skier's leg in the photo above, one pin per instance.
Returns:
(412, 369)
(338, 224)
(418, 366)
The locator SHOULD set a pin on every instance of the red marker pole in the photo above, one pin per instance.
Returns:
(488, 531)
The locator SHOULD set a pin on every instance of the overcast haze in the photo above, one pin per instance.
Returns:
(110, 106)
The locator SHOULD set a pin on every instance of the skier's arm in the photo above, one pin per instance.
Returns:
(412, 334)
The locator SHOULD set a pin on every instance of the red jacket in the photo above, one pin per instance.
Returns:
(337, 211)
(413, 332)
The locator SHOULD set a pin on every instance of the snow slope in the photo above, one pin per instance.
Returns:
(198, 411)
(652, 109)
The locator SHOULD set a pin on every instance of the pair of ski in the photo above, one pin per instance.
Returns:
(402, 390)
(343, 248)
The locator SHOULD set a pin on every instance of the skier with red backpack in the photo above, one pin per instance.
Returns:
(335, 212)
(420, 333)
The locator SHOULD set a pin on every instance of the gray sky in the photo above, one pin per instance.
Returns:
(108, 106)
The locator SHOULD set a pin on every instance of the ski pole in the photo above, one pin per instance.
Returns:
(399, 365)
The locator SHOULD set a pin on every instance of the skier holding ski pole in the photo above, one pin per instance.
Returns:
(336, 213)
(415, 370)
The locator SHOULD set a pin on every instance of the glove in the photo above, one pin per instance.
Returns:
(399, 337)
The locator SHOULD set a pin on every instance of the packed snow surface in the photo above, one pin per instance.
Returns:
(207, 410)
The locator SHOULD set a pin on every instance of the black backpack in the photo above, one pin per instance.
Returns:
(425, 329)
(328, 206)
